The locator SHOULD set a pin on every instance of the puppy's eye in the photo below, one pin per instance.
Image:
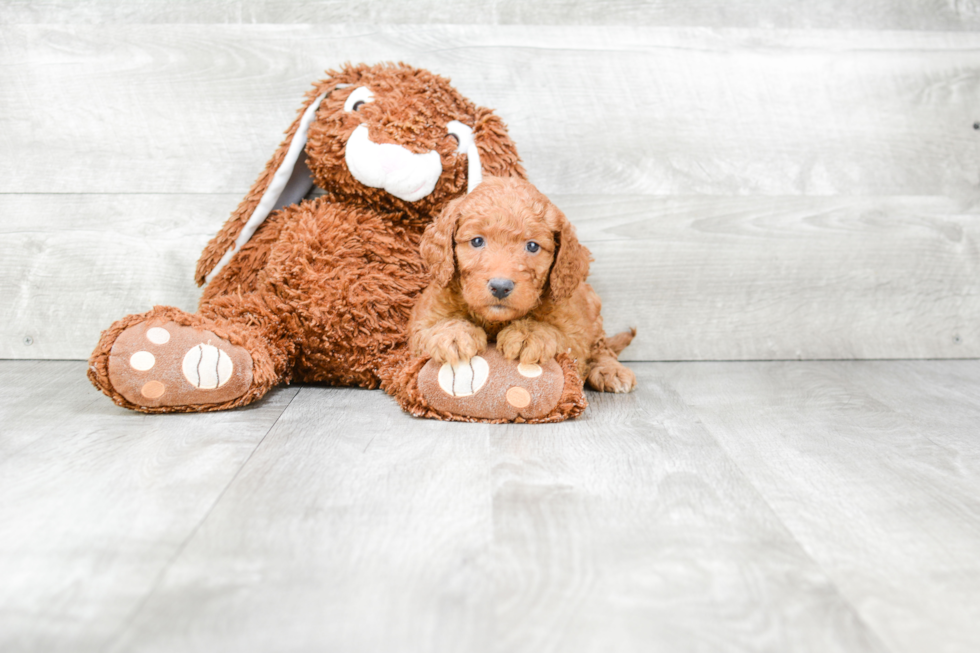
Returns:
(358, 98)
(477, 242)
(532, 247)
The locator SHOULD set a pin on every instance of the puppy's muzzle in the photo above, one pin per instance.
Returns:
(500, 288)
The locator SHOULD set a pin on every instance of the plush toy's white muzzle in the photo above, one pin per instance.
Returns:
(404, 174)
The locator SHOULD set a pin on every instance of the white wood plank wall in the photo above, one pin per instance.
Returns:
(949, 15)
(769, 180)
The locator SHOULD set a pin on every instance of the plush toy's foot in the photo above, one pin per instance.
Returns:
(155, 364)
(165, 364)
(491, 388)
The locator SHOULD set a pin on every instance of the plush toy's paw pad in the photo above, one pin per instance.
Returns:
(489, 386)
(166, 364)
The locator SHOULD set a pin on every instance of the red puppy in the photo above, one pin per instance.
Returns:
(506, 265)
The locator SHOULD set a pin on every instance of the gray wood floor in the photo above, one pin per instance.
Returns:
(778, 506)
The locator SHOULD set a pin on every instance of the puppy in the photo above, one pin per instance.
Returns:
(506, 266)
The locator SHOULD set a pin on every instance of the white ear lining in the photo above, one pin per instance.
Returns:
(290, 183)
(467, 144)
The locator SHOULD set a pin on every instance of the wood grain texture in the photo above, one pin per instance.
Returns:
(796, 506)
(96, 500)
(21, 382)
(747, 193)
(199, 108)
(832, 14)
(702, 278)
(631, 530)
(874, 467)
(790, 278)
(70, 265)
(354, 528)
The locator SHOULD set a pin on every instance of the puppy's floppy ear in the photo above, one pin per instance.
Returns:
(498, 154)
(438, 243)
(285, 180)
(571, 265)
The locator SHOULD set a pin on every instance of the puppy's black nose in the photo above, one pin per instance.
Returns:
(500, 288)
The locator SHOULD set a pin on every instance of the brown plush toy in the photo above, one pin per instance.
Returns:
(321, 289)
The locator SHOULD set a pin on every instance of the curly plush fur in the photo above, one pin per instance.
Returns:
(506, 265)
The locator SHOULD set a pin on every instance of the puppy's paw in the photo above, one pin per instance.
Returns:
(453, 341)
(529, 342)
(612, 376)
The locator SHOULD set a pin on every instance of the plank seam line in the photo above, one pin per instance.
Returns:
(122, 193)
(793, 360)
(114, 641)
(650, 360)
(789, 532)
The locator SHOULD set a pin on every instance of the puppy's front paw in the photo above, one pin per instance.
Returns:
(528, 342)
(455, 340)
(612, 376)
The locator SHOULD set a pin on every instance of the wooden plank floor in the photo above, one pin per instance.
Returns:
(777, 506)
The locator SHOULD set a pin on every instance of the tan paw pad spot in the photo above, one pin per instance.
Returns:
(529, 370)
(518, 397)
(158, 335)
(142, 361)
(153, 389)
(465, 378)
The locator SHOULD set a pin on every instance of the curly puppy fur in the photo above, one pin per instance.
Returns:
(506, 265)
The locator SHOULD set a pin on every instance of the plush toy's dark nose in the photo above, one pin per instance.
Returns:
(500, 288)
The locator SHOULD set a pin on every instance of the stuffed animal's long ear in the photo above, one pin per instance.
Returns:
(438, 245)
(285, 180)
(498, 154)
(571, 266)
